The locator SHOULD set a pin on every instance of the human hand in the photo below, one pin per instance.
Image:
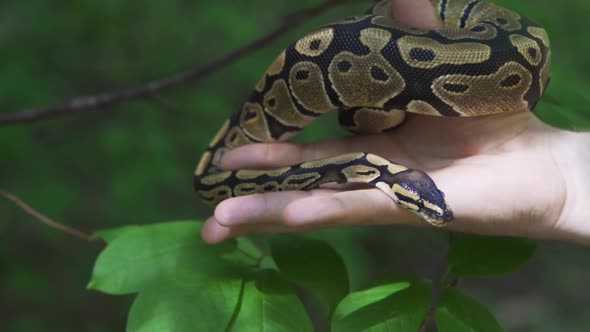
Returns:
(506, 174)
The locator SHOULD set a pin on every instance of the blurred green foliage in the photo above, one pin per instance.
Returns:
(183, 284)
(132, 164)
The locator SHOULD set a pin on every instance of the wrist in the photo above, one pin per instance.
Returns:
(572, 154)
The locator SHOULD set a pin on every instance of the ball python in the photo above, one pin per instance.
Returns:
(485, 60)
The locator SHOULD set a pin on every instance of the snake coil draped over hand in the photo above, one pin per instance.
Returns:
(485, 60)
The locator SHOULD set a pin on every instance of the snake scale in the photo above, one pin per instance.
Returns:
(485, 60)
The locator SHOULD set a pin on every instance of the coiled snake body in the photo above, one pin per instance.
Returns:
(485, 60)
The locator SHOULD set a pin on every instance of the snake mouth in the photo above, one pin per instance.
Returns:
(437, 219)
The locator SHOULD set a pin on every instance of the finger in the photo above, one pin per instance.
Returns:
(213, 232)
(301, 211)
(368, 206)
(284, 154)
(260, 208)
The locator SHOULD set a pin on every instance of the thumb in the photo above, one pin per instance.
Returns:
(419, 14)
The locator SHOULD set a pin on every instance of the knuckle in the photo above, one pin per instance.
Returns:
(273, 153)
(269, 153)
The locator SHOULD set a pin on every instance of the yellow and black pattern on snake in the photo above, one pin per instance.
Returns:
(485, 60)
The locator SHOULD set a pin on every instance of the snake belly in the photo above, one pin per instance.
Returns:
(485, 60)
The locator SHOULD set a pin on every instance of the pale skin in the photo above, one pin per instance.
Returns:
(505, 174)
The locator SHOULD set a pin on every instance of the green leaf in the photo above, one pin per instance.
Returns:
(403, 311)
(359, 299)
(112, 233)
(472, 255)
(457, 312)
(248, 247)
(312, 264)
(247, 253)
(142, 255)
(269, 304)
(185, 306)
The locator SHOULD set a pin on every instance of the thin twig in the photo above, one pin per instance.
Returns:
(44, 219)
(445, 279)
(102, 100)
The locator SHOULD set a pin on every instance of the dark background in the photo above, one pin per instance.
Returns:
(133, 163)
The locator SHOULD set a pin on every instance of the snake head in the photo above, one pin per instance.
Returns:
(415, 190)
(435, 210)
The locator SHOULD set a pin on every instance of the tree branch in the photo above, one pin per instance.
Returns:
(44, 219)
(98, 101)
